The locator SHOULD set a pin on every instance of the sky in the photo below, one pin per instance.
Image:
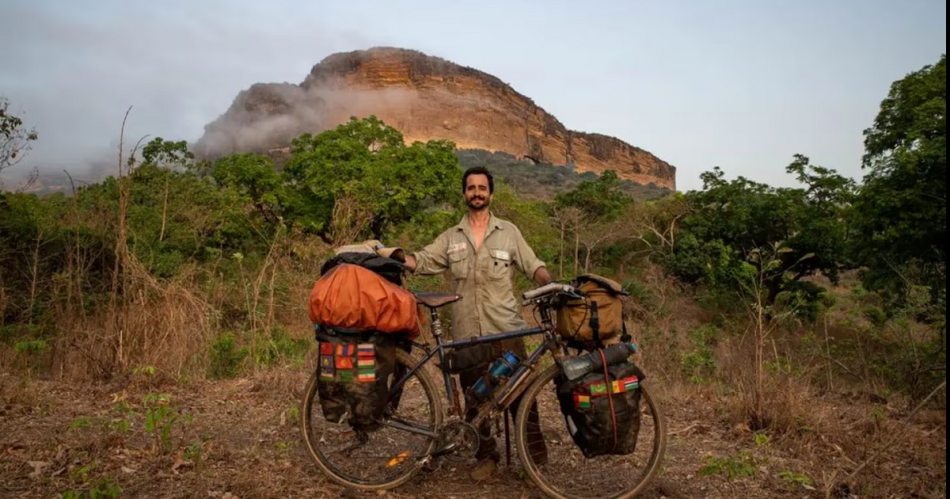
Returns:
(739, 84)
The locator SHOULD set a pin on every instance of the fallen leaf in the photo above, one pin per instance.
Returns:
(119, 397)
(127, 470)
(179, 463)
(38, 467)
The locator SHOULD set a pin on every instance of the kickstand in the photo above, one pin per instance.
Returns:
(508, 436)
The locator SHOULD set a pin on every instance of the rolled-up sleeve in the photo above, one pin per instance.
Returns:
(434, 258)
(526, 258)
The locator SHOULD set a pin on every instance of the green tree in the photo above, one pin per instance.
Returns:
(361, 179)
(167, 154)
(901, 212)
(601, 200)
(730, 221)
(255, 182)
(15, 140)
(591, 212)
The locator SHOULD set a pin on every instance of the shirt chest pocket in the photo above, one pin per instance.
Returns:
(499, 265)
(459, 264)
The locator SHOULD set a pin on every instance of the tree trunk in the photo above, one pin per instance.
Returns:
(760, 368)
(161, 236)
(561, 258)
(590, 250)
(577, 250)
(34, 273)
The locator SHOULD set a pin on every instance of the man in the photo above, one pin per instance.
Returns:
(481, 253)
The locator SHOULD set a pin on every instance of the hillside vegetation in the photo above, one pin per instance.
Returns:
(801, 329)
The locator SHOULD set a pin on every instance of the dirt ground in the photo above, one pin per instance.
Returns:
(240, 439)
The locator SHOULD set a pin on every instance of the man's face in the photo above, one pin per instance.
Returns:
(478, 193)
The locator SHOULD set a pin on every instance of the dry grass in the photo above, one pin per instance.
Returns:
(163, 325)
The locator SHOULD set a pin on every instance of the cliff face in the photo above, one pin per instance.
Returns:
(425, 98)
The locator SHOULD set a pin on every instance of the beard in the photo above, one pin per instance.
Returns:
(471, 202)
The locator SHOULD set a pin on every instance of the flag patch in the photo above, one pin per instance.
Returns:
(326, 368)
(326, 348)
(344, 363)
(630, 384)
(603, 389)
(582, 401)
(367, 375)
(367, 351)
(598, 389)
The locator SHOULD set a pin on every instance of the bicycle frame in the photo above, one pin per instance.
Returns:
(501, 398)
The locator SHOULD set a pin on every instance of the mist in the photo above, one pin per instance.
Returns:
(282, 112)
(178, 65)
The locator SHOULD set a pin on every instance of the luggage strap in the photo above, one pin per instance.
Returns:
(610, 398)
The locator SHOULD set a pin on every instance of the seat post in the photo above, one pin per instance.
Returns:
(436, 323)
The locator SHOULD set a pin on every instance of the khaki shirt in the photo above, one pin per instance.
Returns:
(484, 279)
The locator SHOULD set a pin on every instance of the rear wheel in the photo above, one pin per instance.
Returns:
(567, 474)
(381, 459)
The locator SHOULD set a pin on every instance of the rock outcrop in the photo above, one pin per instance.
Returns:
(425, 98)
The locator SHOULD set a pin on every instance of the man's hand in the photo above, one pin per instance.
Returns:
(542, 276)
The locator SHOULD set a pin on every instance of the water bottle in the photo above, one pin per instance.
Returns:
(502, 368)
(578, 367)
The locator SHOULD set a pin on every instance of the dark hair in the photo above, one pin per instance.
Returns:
(479, 170)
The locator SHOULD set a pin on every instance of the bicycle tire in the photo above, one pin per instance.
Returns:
(311, 399)
(521, 429)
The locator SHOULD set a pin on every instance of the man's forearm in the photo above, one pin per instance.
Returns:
(411, 263)
(542, 276)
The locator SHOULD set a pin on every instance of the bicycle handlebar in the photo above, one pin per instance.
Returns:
(548, 289)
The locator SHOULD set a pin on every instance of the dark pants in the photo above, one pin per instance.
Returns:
(488, 448)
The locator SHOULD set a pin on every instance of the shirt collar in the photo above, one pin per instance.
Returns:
(493, 223)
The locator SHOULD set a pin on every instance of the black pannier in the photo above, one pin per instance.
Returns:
(602, 409)
(355, 373)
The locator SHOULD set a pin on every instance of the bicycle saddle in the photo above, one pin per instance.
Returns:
(436, 300)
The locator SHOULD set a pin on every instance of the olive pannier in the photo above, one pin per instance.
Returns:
(586, 323)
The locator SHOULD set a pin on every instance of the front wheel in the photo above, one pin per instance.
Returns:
(564, 472)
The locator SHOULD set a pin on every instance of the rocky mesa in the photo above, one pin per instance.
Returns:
(425, 98)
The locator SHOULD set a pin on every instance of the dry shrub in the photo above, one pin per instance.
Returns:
(162, 325)
(17, 392)
(792, 405)
(789, 409)
(659, 317)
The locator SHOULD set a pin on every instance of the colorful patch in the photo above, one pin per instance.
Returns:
(326, 348)
(618, 386)
(326, 368)
(361, 363)
(630, 384)
(345, 350)
(582, 401)
(345, 376)
(344, 363)
(366, 376)
(598, 389)
(367, 351)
